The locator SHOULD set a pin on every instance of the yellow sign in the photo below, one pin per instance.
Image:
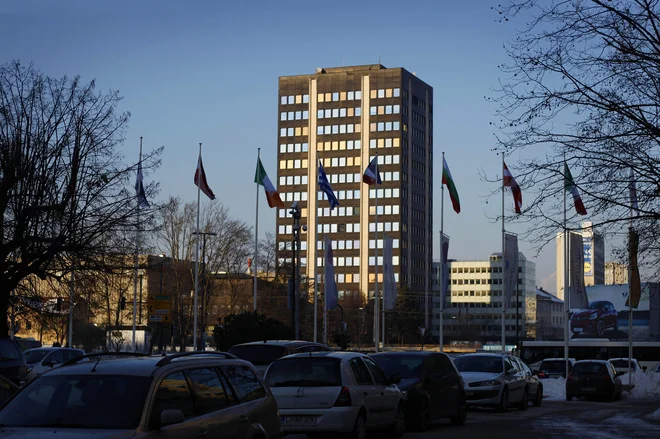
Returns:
(159, 307)
(587, 267)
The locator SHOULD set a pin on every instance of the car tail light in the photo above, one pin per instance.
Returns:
(570, 377)
(542, 375)
(607, 378)
(344, 398)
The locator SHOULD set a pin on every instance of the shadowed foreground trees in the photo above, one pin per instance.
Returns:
(64, 190)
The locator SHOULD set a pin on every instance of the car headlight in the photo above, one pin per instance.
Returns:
(487, 383)
(29, 369)
(593, 316)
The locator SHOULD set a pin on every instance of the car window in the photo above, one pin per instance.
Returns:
(508, 364)
(589, 368)
(35, 355)
(305, 372)
(173, 393)
(378, 375)
(442, 365)
(259, 354)
(56, 357)
(8, 350)
(247, 385)
(479, 363)
(6, 390)
(210, 394)
(70, 354)
(305, 349)
(360, 372)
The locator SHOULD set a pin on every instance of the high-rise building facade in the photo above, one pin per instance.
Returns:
(594, 258)
(344, 117)
(616, 273)
(473, 306)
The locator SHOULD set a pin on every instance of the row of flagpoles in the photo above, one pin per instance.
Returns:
(371, 177)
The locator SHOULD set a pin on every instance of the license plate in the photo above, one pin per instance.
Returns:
(469, 393)
(577, 330)
(298, 420)
(588, 389)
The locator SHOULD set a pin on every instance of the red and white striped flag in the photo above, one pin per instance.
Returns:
(511, 182)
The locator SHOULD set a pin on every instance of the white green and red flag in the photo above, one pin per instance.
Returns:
(261, 178)
(570, 186)
(451, 187)
(511, 182)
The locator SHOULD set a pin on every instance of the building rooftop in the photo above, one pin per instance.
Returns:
(540, 292)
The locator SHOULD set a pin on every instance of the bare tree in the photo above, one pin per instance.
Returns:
(64, 191)
(582, 82)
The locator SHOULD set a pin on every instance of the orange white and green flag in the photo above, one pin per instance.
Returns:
(261, 178)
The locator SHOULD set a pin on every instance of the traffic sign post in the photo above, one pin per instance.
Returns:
(160, 308)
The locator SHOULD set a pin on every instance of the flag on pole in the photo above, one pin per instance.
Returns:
(324, 185)
(451, 187)
(578, 296)
(634, 283)
(371, 175)
(261, 178)
(200, 179)
(511, 182)
(389, 287)
(632, 187)
(331, 294)
(139, 188)
(572, 188)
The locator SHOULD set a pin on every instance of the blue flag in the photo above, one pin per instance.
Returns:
(324, 185)
(331, 294)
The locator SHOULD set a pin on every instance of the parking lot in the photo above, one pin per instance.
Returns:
(555, 419)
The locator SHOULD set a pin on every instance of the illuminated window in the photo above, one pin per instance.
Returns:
(298, 99)
(374, 94)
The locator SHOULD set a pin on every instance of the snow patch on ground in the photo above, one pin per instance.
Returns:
(646, 385)
(655, 415)
(554, 389)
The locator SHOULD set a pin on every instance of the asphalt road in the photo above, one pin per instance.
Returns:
(553, 420)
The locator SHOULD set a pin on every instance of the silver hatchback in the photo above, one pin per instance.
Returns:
(335, 392)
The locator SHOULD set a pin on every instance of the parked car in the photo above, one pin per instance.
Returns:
(189, 394)
(493, 380)
(12, 361)
(554, 368)
(262, 353)
(7, 389)
(534, 384)
(593, 378)
(434, 386)
(336, 392)
(600, 315)
(42, 360)
(621, 365)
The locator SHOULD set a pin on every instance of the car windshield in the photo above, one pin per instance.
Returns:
(553, 366)
(597, 305)
(79, 401)
(35, 355)
(622, 364)
(8, 350)
(589, 369)
(479, 363)
(405, 366)
(304, 372)
(259, 354)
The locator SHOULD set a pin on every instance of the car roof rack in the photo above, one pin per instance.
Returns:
(104, 354)
(168, 359)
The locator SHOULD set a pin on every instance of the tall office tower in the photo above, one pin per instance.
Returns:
(343, 117)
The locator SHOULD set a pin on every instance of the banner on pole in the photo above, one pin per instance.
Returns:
(331, 294)
(389, 287)
(444, 245)
(577, 290)
(510, 272)
(634, 281)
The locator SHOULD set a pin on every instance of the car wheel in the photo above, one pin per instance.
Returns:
(600, 328)
(399, 428)
(525, 401)
(461, 417)
(538, 399)
(423, 420)
(360, 428)
(503, 407)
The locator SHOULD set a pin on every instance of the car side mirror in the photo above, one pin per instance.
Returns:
(170, 417)
(394, 379)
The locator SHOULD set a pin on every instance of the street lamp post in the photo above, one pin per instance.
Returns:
(203, 319)
(295, 269)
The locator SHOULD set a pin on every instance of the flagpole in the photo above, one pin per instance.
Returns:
(567, 293)
(630, 309)
(376, 299)
(256, 242)
(503, 277)
(442, 260)
(316, 267)
(197, 253)
(135, 263)
(382, 324)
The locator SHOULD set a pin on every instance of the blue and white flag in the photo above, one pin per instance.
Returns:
(139, 188)
(389, 287)
(331, 294)
(324, 185)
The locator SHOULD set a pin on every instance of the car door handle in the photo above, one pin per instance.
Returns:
(243, 419)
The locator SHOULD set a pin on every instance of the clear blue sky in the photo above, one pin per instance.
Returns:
(207, 71)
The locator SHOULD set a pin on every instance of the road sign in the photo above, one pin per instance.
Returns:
(164, 318)
(160, 307)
